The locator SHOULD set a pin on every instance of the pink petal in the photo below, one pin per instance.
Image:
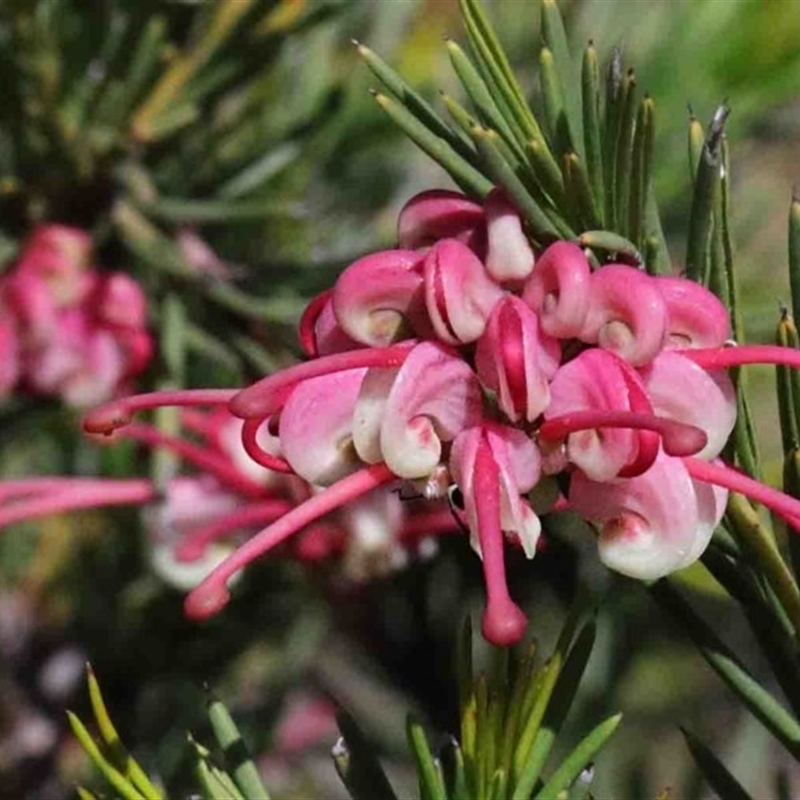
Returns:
(681, 390)
(508, 360)
(627, 314)
(653, 524)
(459, 294)
(509, 256)
(441, 214)
(316, 427)
(558, 289)
(596, 380)
(379, 299)
(434, 396)
(695, 316)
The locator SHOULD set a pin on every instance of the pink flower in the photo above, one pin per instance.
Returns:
(459, 361)
(81, 335)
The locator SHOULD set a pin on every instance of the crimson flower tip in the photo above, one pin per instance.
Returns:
(504, 623)
(207, 600)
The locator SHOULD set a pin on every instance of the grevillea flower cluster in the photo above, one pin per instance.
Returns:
(66, 329)
(224, 494)
(463, 363)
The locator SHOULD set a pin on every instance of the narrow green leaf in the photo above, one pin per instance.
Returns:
(415, 103)
(547, 172)
(773, 631)
(759, 544)
(784, 389)
(657, 258)
(258, 172)
(498, 785)
(791, 484)
(215, 783)
(481, 98)
(695, 140)
(118, 781)
(557, 710)
(714, 771)
(611, 243)
(493, 63)
(542, 227)
(760, 702)
(554, 112)
(613, 114)
(576, 177)
(461, 171)
(555, 37)
(244, 771)
(624, 151)
(356, 763)
(460, 786)
(641, 171)
(430, 778)
(794, 254)
(85, 794)
(460, 115)
(706, 186)
(118, 755)
(591, 127)
(572, 766)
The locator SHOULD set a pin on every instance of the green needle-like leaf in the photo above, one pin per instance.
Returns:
(706, 186)
(714, 771)
(591, 126)
(794, 254)
(695, 139)
(122, 785)
(555, 38)
(430, 779)
(481, 98)
(612, 243)
(416, 104)
(356, 763)
(118, 755)
(760, 702)
(641, 171)
(572, 766)
(235, 752)
(215, 783)
(615, 99)
(461, 171)
(494, 66)
(557, 710)
(554, 110)
(785, 390)
(624, 152)
(577, 179)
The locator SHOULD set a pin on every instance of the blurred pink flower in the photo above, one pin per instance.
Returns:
(70, 331)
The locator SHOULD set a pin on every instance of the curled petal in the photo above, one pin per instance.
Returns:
(492, 465)
(627, 314)
(459, 294)
(433, 398)
(695, 316)
(518, 463)
(319, 331)
(509, 256)
(558, 289)
(379, 299)
(370, 412)
(652, 524)
(508, 360)
(316, 427)
(441, 214)
(597, 380)
(681, 390)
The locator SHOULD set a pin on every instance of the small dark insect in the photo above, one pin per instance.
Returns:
(455, 500)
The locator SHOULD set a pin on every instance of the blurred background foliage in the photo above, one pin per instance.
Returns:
(249, 124)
